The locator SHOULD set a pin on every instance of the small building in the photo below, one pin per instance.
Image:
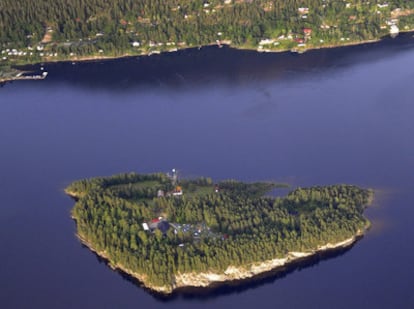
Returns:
(266, 41)
(160, 193)
(153, 224)
(177, 191)
(157, 223)
(303, 10)
(307, 31)
(394, 29)
(163, 226)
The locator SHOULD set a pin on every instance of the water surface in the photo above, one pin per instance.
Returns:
(328, 116)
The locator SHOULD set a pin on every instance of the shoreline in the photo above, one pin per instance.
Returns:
(231, 274)
(94, 58)
(241, 274)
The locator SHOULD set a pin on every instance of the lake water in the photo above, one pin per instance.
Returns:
(330, 116)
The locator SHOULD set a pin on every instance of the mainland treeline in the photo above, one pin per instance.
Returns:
(246, 228)
(87, 27)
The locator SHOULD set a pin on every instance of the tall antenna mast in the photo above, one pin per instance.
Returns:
(174, 176)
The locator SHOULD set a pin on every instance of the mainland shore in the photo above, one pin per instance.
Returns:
(91, 58)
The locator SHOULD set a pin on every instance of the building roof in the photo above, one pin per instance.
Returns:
(163, 226)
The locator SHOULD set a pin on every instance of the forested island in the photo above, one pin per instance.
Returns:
(72, 30)
(171, 233)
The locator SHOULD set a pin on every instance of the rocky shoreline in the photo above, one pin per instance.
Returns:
(231, 274)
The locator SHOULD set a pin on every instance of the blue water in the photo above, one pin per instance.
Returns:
(330, 116)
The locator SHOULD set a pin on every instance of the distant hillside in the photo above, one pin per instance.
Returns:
(33, 31)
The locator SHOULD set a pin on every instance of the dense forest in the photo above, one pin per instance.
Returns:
(46, 30)
(211, 226)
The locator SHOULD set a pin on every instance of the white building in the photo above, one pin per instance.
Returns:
(394, 29)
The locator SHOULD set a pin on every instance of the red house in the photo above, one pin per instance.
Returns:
(307, 31)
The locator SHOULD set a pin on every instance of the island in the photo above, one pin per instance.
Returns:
(61, 30)
(171, 233)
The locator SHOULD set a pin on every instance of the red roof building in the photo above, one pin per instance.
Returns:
(307, 31)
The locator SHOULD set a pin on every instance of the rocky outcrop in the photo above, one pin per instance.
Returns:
(232, 273)
(244, 272)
